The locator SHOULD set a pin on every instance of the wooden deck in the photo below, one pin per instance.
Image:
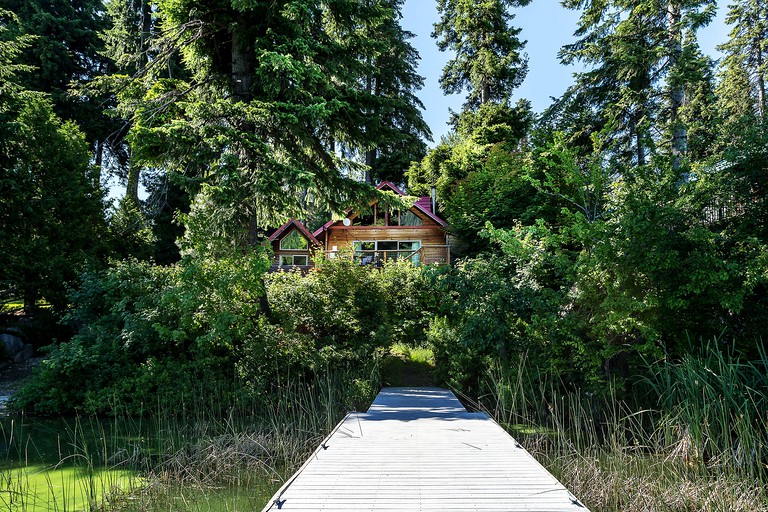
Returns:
(418, 449)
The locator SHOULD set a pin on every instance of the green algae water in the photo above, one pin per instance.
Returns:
(63, 464)
(76, 464)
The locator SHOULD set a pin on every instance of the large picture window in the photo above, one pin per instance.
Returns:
(293, 242)
(376, 251)
(295, 260)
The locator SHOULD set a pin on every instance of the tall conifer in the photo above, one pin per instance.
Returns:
(488, 63)
(744, 70)
(637, 51)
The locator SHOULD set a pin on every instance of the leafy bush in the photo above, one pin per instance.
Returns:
(210, 327)
(351, 307)
(150, 332)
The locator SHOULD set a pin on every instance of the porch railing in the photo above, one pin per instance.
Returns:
(426, 254)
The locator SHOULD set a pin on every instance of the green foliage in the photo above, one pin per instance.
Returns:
(51, 202)
(488, 60)
(151, 333)
(628, 267)
(130, 233)
(477, 171)
(641, 59)
(210, 327)
(348, 307)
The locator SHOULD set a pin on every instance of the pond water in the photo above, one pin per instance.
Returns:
(73, 464)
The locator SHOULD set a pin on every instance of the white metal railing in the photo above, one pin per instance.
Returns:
(378, 257)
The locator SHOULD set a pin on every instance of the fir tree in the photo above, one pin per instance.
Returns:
(67, 49)
(638, 51)
(744, 70)
(251, 131)
(378, 47)
(489, 63)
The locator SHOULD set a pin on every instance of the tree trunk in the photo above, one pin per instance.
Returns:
(634, 133)
(370, 154)
(99, 157)
(760, 82)
(242, 66)
(370, 158)
(132, 186)
(485, 91)
(676, 85)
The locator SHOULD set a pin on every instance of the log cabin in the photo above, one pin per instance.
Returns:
(371, 238)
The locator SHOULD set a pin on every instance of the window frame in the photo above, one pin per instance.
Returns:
(293, 260)
(357, 253)
(306, 242)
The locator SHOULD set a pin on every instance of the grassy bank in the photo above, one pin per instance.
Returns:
(206, 459)
(699, 443)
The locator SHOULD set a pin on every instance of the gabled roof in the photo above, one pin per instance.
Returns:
(423, 204)
(298, 225)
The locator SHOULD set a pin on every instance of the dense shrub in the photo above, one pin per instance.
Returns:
(210, 329)
(347, 306)
(148, 331)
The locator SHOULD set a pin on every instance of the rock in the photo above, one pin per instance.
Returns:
(24, 354)
(12, 344)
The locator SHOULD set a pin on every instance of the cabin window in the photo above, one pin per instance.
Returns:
(376, 251)
(406, 218)
(293, 242)
(410, 219)
(294, 260)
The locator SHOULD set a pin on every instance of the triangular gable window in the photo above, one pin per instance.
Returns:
(293, 242)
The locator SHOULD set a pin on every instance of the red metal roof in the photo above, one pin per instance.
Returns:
(293, 222)
(423, 204)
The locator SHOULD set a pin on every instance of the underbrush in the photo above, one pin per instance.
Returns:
(220, 329)
(700, 442)
(196, 456)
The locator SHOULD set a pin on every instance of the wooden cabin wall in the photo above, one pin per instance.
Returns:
(342, 237)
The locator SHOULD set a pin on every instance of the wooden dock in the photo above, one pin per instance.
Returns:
(418, 449)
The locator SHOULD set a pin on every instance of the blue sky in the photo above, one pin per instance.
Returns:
(546, 26)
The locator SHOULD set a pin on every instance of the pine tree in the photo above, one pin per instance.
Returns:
(638, 52)
(744, 70)
(489, 62)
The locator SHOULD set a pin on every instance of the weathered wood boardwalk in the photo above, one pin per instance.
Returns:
(419, 449)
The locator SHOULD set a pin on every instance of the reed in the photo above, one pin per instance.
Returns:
(698, 443)
(193, 455)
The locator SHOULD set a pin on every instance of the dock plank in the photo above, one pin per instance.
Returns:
(419, 449)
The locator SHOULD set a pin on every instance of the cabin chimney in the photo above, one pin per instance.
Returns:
(434, 200)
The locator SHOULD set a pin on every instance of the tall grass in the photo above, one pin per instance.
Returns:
(194, 455)
(715, 409)
(694, 438)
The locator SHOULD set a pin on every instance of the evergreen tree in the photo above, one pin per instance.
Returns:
(638, 52)
(67, 49)
(379, 49)
(488, 62)
(744, 70)
(50, 201)
(250, 129)
(394, 82)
